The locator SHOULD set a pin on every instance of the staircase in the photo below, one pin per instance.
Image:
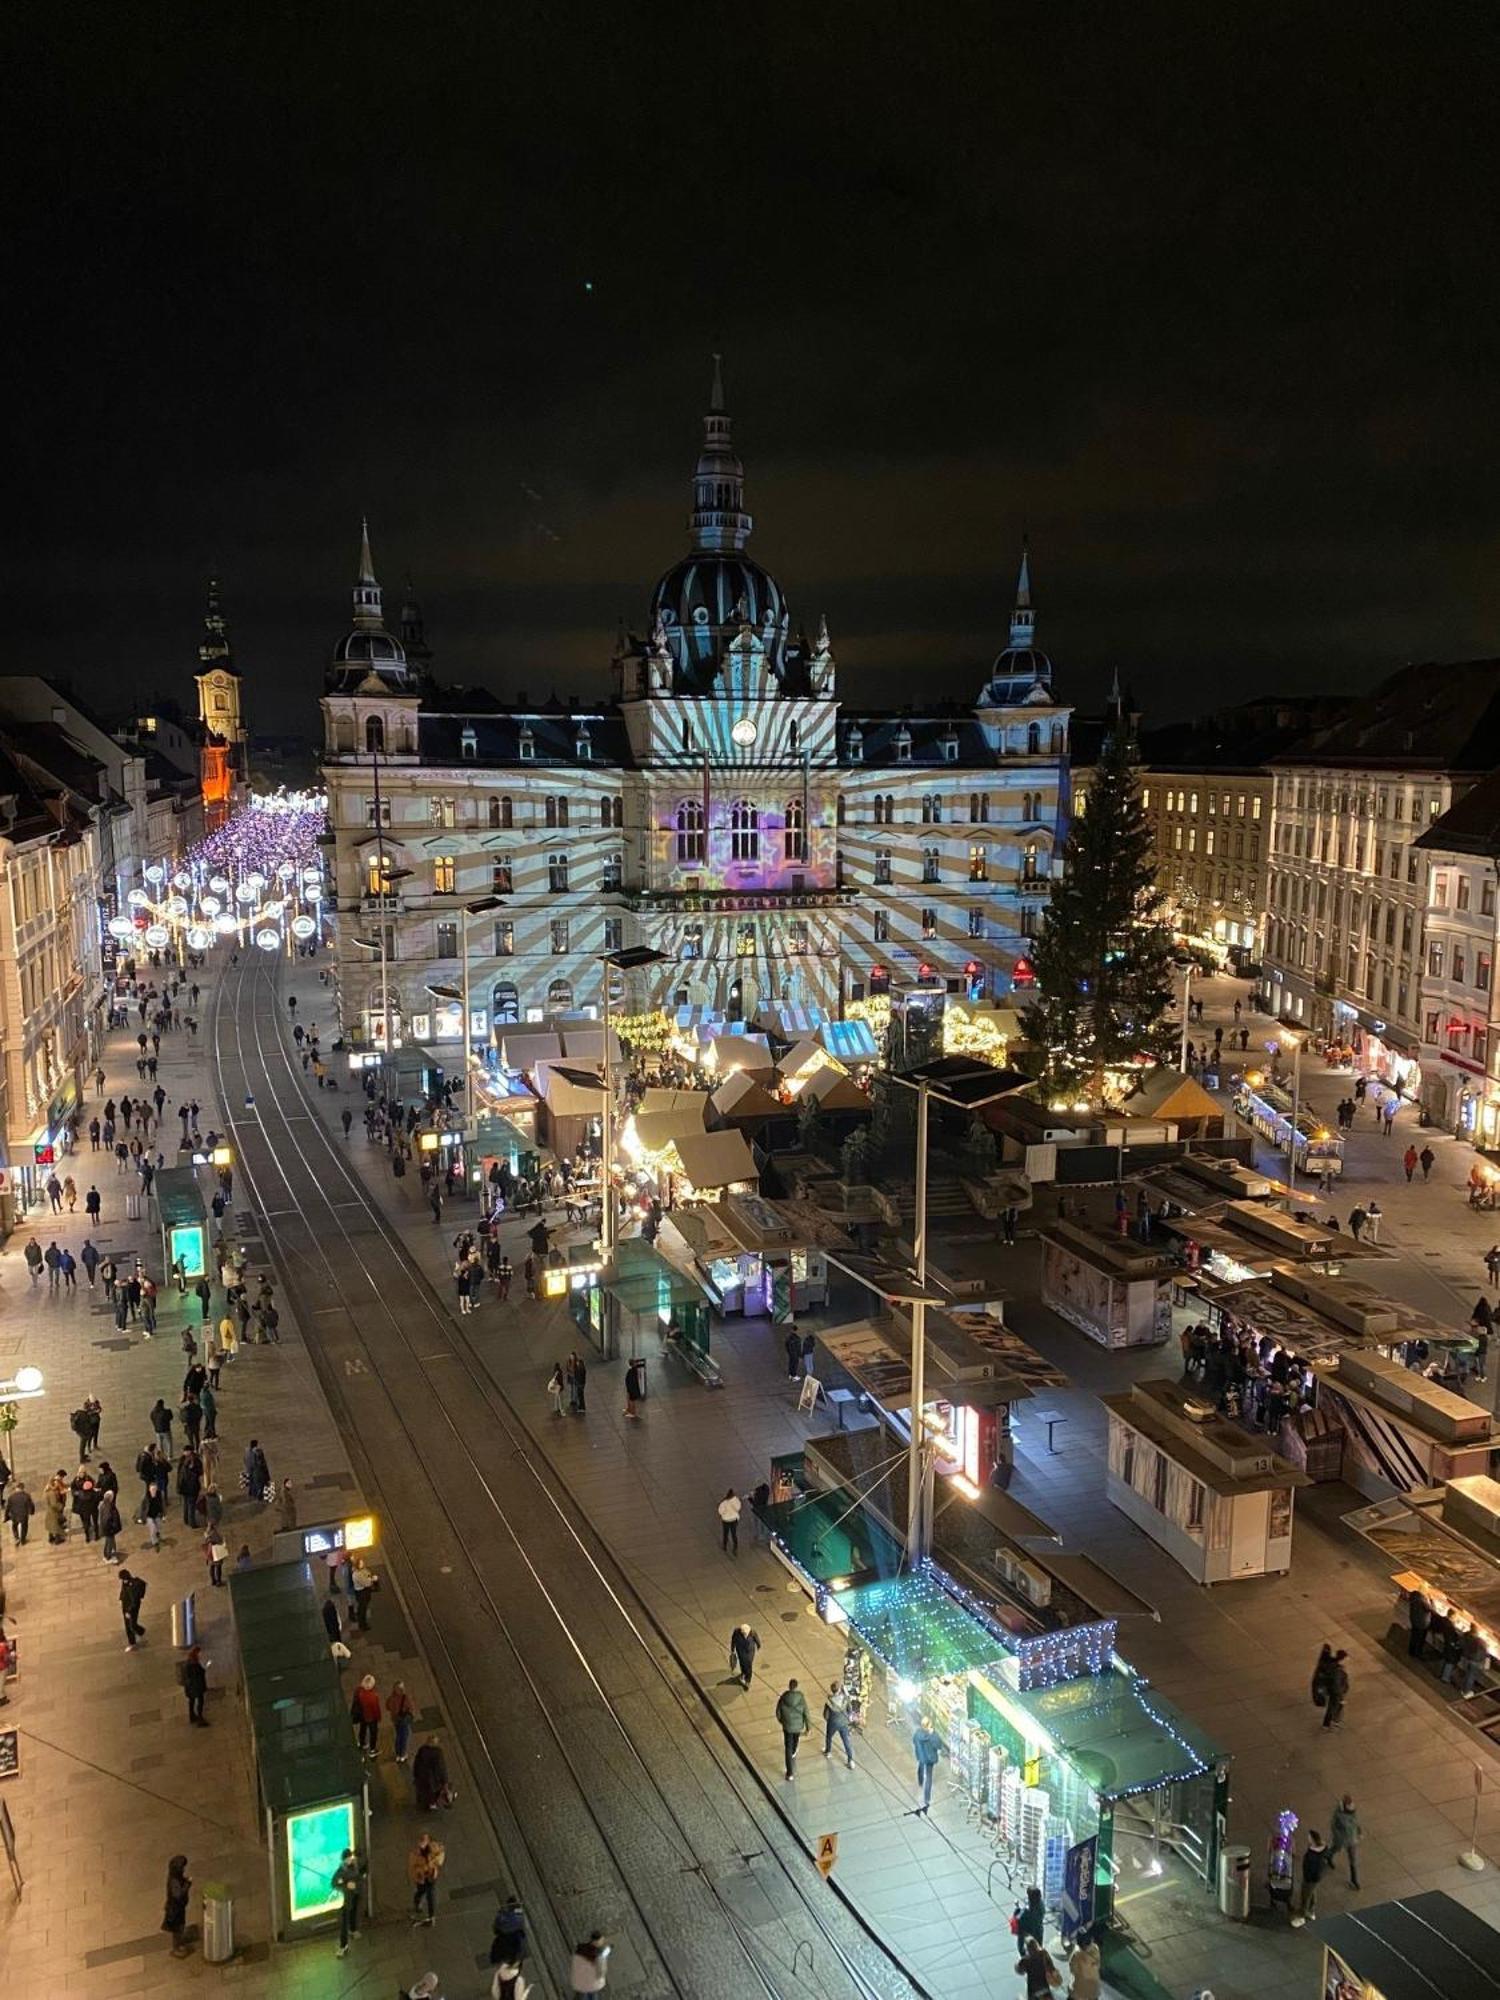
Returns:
(947, 1200)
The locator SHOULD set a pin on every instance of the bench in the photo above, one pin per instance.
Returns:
(702, 1365)
(1051, 1418)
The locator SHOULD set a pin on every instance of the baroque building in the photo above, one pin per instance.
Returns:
(222, 737)
(728, 808)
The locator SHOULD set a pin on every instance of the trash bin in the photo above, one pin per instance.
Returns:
(638, 1362)
(218, 1923)
(185, 1623)
(132, 1208)
(1234, 1882)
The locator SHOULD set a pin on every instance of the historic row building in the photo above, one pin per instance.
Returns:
(728, 807)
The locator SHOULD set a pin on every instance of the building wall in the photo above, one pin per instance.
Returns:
(777, 868)
(1213, 850)
(1344, 948)
(1459, 1067)
(49, 975)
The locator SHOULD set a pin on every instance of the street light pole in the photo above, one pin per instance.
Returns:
(607, 1132)
(1187, 989)
(918, 1526)
(1291, 1151)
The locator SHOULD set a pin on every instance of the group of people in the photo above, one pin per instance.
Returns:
(1250, 1377)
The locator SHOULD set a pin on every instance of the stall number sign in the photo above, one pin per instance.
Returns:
(828, 1853)
(315, 1843)
(10, 1752)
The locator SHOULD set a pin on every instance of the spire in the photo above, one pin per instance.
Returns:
(214, 649)
(368, 613)
(1023, 618)
(719, 520)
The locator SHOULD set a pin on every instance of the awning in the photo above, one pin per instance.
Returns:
(716, 1159)
(804, 1059)
(657, 1099)
(743, 1101)
(654, 1131)
(584, 1042)
(731, 1052)
(1426, 1947)
(567, 1099)
(831, 1090)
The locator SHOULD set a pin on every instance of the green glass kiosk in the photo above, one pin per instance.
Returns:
(311, 1777)
(184, 1221)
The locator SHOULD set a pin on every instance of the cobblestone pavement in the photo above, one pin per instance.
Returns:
(113, 1780)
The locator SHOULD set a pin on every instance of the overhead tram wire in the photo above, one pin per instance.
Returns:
(494, 1398)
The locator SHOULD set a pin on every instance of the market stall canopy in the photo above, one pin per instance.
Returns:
(1167, 1094)
(787, 1024)
(654, 1131)
(571, 1093)
(744, 1101)
(1119, 1733)
(831, 1090)
(803, 1060)
(525, 1050)
(583, 1041)
(657, 1099)
(729, 1052)
(849, 1041)
(716, 1159)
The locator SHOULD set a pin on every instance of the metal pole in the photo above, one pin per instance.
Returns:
(380, 885)
(607, 1137)
(463, 918)
(1187, 988)
(1291, 1163)
(917, 1535)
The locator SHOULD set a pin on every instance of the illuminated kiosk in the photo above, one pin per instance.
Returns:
(310, 1777)
(184, 1221)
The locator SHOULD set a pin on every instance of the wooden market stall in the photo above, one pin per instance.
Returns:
(1115, 1289)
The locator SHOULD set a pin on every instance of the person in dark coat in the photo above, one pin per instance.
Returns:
(509, 1942)
(174, 1916)
(744, 1644)
(189, 1486)
(132, 1591)
(257, 1471)
(1418, 1618)
(429, 1776)
(195, 1685)
(331, 1623)
(110, 1524)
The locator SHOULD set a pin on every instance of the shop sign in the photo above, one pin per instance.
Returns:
(1079, 1869)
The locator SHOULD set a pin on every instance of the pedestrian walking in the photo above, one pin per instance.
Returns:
(1357, 1221)
(110, 1525)
(744, 1644)
(1428, 1159)
(174, 1914)
(557, 1388)
(1409, 1161)
(33, 1254)
(578, 1379)
(836, 1722)
(633, 1389)
(429, 1777)
(793, 1345)
(423, 1867)
(1037, 1969)
(55, 1508)
(194, 1678)
(363, 1584)
(398, 1706)
(927, 1748)
(1314, 1868)
(93, 1204)
(1331, 1685)
(88, 1256)
(590, 1968)
(508, 1941)
(1345, 1835)
(19, 1508)
(1418, 1618)
(364, 1713)
(347, 1883)
(132, 1594)
(161, 1424)
(729, 1522)
(215, 1554)
(791, 1713)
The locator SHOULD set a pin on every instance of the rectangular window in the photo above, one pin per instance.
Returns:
(559, 929)
(614, 933)
(447, 940)
(505, 938)
(1487, 897)
(1460, 964)
(442, 812)
(444, 874)
(929, 923)
(1208, 841)
(1435, 956)
(500, 878)
(1192, 833)
(1480, 1048)
(385, 812)
(614, 872)
(883, 865)
(1482, 969)
(979, 864)
(976, 923)
(798, 939)
(557, 874)
(1460, 891)
(1434, 1019)
(882, 927)
(1439, 889)
(1255, 809)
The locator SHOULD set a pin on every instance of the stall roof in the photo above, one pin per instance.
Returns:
(1166, 1093)
(530, 1046)
(1427, 1947)
(642, 1280)
(831, 1090)
(730, 1052)
(583, 1041)
(917, 1628)
(1141, 1414)
(850, 1041)
(299, 1711)
(655, 1098)
(656, 1130)
(566, 1097)
(788, 1023)
(1120, 1734)
(716, 1159)
(741, 1098)
(806, 1057)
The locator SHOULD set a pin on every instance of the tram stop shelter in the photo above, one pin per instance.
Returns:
(183, 1219)
(310, 1778)
(642, 1292)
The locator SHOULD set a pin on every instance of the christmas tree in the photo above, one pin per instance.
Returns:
(1104, 960)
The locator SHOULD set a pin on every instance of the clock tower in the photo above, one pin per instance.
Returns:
(222, 735)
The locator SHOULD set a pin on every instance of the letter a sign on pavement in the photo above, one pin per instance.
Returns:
(828, 1853)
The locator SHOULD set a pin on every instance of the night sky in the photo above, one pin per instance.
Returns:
(1204, 299)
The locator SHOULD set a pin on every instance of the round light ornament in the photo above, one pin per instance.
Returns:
(268, 940)
(744, 731)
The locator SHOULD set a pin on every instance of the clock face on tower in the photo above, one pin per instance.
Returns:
(744, 731)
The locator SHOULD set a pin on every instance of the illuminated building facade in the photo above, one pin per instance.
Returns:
(1213, 844)
(726, 808)
(1460, 853)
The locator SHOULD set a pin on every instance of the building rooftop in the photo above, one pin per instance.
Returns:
(1434, 716)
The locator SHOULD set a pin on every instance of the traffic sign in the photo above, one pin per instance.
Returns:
(828, 1853)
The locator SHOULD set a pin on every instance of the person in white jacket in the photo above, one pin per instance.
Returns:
(590, 1965)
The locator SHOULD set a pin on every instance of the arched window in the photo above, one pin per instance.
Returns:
(932, 809)
(559, 996)
(1059, 736)
(375, 734)
(841, 810)
(505, 1003)
(1033, 739)
(468, 743)
(620, 810)
(690, 830)
(692, 940)
(1029, 862)
(606, 812)
(557, 874)
(493, 812)
(744, 831)
(557, 810)
(796, 831)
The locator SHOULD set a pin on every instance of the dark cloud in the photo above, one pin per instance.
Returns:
(1203, 299)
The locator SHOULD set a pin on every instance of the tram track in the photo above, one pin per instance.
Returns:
(606, 1778)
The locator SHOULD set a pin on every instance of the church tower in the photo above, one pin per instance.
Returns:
(223, 738)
